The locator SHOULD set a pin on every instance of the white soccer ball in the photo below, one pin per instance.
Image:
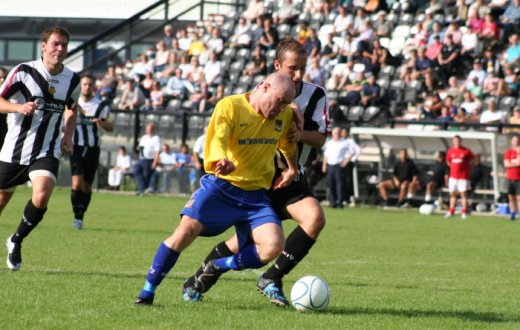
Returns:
(427, 209)
(310, 293)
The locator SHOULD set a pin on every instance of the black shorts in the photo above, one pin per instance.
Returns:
(513, 187)
(84, 161)
(12, 175)
(293, 193)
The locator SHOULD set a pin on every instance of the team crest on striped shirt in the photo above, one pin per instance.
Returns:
(51, 90)
(278, 125)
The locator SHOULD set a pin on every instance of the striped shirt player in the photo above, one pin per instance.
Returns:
(295, 201)
(36, 96)
(92, 115)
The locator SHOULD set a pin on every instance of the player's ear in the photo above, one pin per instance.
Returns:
(276, 64)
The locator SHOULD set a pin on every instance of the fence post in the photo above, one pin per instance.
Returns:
(137, 125)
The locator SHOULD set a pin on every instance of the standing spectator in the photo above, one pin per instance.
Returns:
(34, 142)
(198, 153)
(459, 159)
(439, 177)
(405, 175)
(335, 159)
(352, 155)
(84, 161)
(149, 149)
(123, 164)
(183, 164)
(512, 165)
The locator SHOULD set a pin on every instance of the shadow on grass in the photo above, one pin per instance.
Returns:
(463, 315)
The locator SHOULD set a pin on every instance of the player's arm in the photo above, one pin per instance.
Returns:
(25, 109)
(219, 132)
(69, 120)
(290, 151)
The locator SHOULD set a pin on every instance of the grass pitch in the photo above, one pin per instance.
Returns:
(386, 270)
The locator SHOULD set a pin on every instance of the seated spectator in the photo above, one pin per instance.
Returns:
(420, 37)
(242, 36)
(448, 59)
(370, 92)
(408, 68)
(133, 96)
(360, 21)
(452, 108)
(123, 164)
(184, 40)
(491, 83)
(365, 37)
(168, 36)
(445, 115)
(315, 73)
(455, 32)
(196, 75)
(141, 67)
(312, 44)
(257, 31)
(514, 120)
(436, 33)
(213, 70)
(303, 32)
(405, 172)
(477, 72)
(254, 9)
(423, 69)
(475, 22)
(286, 14)
(354, 89)
(197, 46)
(269, 38)
(179, 87)
(512, 56)
(454, 91)
(340, 78)
(470, 102)
(438, 178)
(257, 65)
(509, 85)
(343, 22)
(215, 43)
(433, 50)
(347, 49)
(382, 27)
(148, 82)
(432, 107)
(478, 7)
(490, 31)
(470, 45)
(491, 116)
(510, 19)
(156, 97)
(329, 52)
(162, 56)
(208, 104)
(109, 84)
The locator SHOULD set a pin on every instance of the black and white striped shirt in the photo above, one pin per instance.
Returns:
(86, 133)
(314, 103)
(39, 135)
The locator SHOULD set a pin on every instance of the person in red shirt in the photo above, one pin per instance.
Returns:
(512, 165)
(459, 160)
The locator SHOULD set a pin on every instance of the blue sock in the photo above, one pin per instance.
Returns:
(512, 216)
(245, 258)
(164, 260)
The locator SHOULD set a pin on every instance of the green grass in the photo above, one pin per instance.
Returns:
(386, 270)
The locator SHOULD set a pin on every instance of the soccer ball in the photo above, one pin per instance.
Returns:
(310, 293)
(427, 209)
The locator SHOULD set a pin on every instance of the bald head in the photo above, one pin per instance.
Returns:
(273, 95)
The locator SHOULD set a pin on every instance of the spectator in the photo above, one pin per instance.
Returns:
(109, 84)
(209, 103)
(470, 45)
(454, 91)
(312, 44)
(149, 148)
(257, 30)
(133, 96)
(179, 87)
(512, 166)
(370, 92)
(148, 82)
(198, 154)
(157, 97)
(423, 68)
(448, 58)
(445, 115)
(303, 32)
(405, 172)
(215, 43)
(436, 33)
(455, 32)
(184, 40)
(459, 160)
(491, 84)
(354, 89)
(123, 164)
(491, 116)
(242, 36)
(269, 38)
(197, 47)
(330, 51)
(508, 86)
(315, 73)
(478, 7)
(257, 65)
(514, 120)
(343, 22)
(478, 174)
(512, 57)
(286, 14)
(335, 159)
(433, 50)
(162, 56)
(438, 178)
(490, 31)
(183, 164)
(347, 49)
(477, 72)
(254, 9)
(213, 70)
(360, 21)
(382, 27)
(164, 170)
(168, 36)
(511, 19)
(141, 67)
(196, 75)
(352, 155)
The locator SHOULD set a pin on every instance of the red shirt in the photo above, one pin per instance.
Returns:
(459, 159)
(512, 173)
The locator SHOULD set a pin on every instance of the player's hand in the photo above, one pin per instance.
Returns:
(27, 109)
(67, 147)
(224, 167)
(284, 179)
(293, 134)
(297, 116)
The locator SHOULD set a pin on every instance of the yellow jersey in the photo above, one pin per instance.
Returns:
(249, 140)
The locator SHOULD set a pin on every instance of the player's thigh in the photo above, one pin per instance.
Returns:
(43, 173)
(185, 233)
(269, 240)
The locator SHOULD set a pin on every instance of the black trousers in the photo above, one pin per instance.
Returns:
(336, 182)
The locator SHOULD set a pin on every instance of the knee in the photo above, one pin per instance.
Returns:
(40, 199)
(268, 251)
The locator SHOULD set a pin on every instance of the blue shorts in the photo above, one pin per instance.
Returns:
(218, 205)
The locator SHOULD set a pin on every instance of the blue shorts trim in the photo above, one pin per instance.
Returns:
(219, 205)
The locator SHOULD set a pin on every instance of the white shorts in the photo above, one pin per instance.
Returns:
(458, 185)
